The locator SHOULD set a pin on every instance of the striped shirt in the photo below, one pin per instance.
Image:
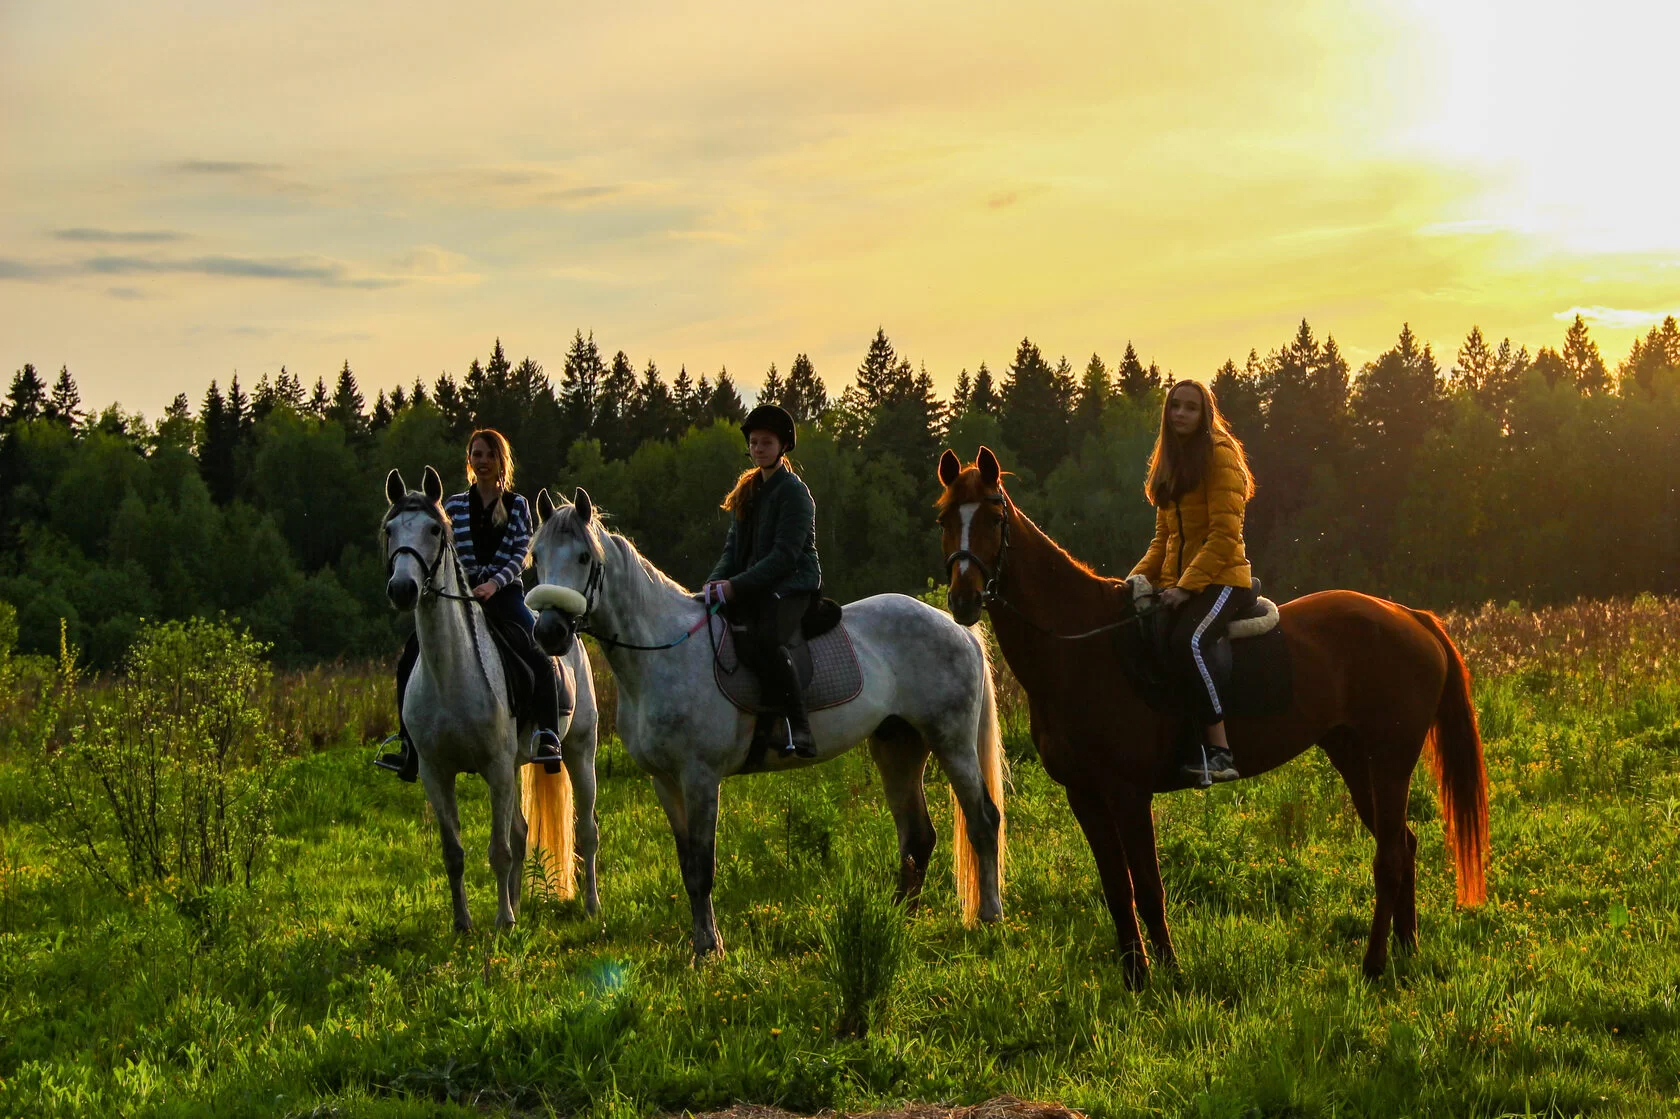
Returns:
(508, 561)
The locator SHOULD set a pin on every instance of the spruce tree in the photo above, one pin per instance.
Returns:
(652, 414)
(682, 400)
(774, 389)
(1582, 361)
(725, 403)
(984, 396)
(175, 430)
(618, 392)
(1473, 371)
(264, 399)
(458, 421)
(28, 396)
(960, 393)
(1134, 380)
(399, 400)
(217, 436)
(1550, 365)
(700, 403)
(1036, 409)
(65, 403)
(805, 397)
(319, 402)
(347, 404)
(290, 390)
(382, 413)
(1239, 395)
(580, 388)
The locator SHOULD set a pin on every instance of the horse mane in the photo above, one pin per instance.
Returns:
(968, 487)
(598, 535)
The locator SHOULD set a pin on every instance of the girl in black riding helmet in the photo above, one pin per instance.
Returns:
(768, 573)
(491, 527)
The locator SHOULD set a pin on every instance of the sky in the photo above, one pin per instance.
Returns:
(191, 189)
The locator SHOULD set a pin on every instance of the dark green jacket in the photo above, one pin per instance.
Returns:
(774, 549)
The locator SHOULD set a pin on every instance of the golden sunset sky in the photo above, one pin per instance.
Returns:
(192, 188)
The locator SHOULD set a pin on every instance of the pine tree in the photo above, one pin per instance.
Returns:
(27, 398)
(701, 402)
(1035, 410)
(347, 404)
(452, 407)
(217, 437)
(1134, 380)
(580, 388)
(1239, 395)
(774, 389)
(618, 391)
(1474, 368)
(1550, 365)
(1582, 360)
(65, 403)
(805, 397)
(653, 416)
(264, 399)
(319, 402)
(960, 393)
(381, 413)
(880, 370)
(682, 399)
(290, 390)
(176, 428)
(984, 396)
(1649, 358)
(1509, 367)
(399, 400)
(725, 403)
(417, 394)
(239, 418)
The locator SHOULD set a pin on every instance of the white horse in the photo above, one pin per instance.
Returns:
(456, 710)
(927, 687)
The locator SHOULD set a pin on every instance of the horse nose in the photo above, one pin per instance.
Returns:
(554, 633)
(965, 607)
(403, 592)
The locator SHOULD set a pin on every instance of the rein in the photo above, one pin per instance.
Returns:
(991, 593)
(593, 587)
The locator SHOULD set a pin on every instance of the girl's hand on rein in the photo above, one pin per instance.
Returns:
(1174, 597)
(485, 591)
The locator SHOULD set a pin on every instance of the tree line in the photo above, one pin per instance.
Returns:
(1497, 475)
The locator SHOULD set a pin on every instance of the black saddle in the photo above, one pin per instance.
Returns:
(1253, 675)
(522, 659)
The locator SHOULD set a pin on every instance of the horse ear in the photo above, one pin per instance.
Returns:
(949, 467)
(432, 485)
(990, 471)
(394, 487)
(585, 508)
(545, 505)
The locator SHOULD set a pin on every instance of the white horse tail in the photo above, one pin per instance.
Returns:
(547, 802)
(965, 863)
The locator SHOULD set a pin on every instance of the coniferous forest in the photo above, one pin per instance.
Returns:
(1490, 474)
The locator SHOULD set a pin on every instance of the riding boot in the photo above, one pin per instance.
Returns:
(1210, 764)
(791, 701)
(405, 761)
(547, 709)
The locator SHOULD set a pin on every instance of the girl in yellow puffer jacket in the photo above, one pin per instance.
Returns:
(1199, 483)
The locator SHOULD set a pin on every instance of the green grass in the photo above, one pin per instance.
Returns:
(335, 985)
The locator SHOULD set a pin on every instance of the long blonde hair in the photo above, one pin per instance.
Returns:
(1177, 466)
(503, 453)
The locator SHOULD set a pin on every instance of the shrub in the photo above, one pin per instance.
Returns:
(864, 944)
(167, 779)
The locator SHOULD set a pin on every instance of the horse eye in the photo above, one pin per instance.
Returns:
(583, 557)
(436, 530)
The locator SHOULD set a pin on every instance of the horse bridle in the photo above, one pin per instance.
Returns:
(428, 569)
(991, 593)
(988, 589)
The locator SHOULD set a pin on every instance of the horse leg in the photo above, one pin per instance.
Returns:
(1135, 819)
(676, 814)
(440, 791)
(504, 806)
(700, 800)
(981, 817)
(1093, 814)
(1405, 907)
(579, 752)
(902, 760)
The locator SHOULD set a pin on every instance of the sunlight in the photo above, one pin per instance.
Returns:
(1561, 109)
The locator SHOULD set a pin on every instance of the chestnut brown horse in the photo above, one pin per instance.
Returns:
(1373, 683)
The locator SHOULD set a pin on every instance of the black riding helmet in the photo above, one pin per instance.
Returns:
(768, 417)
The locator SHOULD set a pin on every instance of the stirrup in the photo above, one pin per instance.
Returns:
(390, 759)
(1214, 765)
(545, 751)
(793, 749)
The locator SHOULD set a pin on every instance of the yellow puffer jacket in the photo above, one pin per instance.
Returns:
(1199, 537)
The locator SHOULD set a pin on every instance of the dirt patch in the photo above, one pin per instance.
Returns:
(1004, 1107)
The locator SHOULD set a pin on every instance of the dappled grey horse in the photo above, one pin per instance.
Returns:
(927, 688)
(457, 713)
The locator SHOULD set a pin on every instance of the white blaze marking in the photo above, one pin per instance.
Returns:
(967, 511)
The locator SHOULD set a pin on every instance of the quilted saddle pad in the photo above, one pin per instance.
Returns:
(836, 676)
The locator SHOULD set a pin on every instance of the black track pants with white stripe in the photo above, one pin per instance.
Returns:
(1198, 624)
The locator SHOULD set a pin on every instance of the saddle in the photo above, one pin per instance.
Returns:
(823, 657)
(1250, 666)
(521, 661)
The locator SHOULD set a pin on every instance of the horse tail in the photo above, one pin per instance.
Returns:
(1455, 756)
(965, 862)
(552, 819)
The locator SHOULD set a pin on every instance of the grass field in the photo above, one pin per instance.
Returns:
(334, 986)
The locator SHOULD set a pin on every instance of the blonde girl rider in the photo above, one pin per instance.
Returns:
(1199, 483)
(768, 574)
(491, 526)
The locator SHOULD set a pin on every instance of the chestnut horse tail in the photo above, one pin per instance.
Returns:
(1455, 756)
(965, 864)
(551, 816)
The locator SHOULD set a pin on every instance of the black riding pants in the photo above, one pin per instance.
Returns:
(1196, 626)
(507, 611)
(771, 620)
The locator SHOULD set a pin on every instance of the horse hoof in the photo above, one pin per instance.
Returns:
(1373, 969)
(463, 926)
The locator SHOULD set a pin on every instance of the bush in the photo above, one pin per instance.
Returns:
(864, 944)
(167, 780)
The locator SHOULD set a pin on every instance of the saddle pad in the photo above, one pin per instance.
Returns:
(1262, 677)
(836, 676)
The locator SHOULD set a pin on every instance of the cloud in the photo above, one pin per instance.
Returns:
(326, 273)
(125, 293)
(20, 270)
(1614, 318)
(222, 167)
(118, 236)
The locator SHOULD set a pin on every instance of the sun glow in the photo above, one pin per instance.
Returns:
(1564, 112)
